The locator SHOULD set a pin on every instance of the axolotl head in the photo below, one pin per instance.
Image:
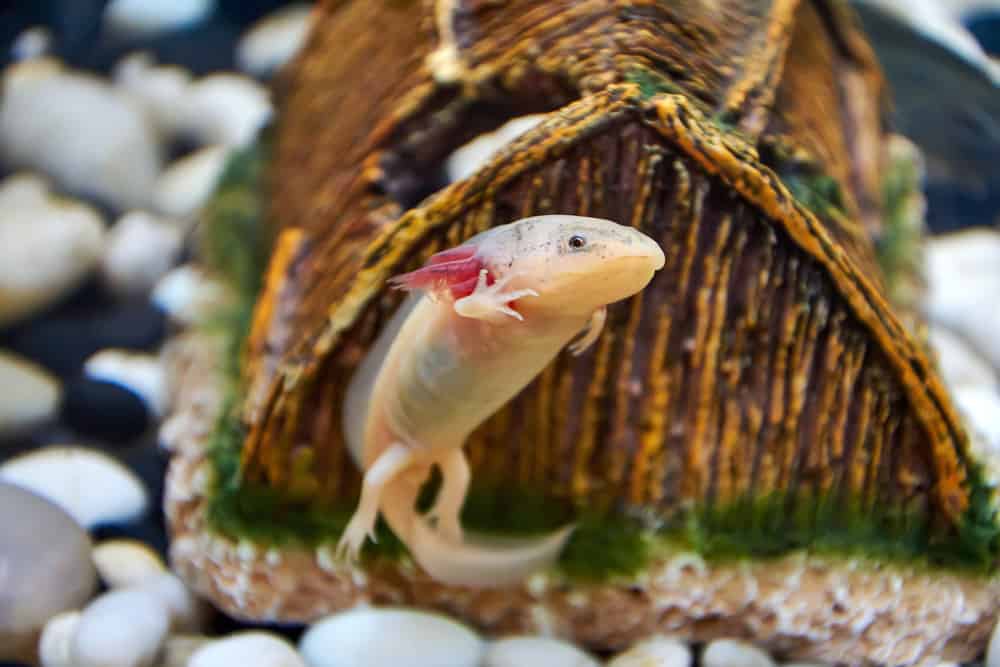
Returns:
(575, 264)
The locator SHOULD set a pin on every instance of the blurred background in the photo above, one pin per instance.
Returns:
(149, 99)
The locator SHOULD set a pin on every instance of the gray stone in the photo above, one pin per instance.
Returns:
(45, 568)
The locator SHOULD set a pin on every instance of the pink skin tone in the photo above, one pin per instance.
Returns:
(485, 319)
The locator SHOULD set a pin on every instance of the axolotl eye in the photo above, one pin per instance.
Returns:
(576, 242)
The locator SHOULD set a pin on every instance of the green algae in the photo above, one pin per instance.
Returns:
(899, 248)
(604, 543)
(650, 83)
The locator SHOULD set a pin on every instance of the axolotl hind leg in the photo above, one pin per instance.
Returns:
(362, 524)
(455, 477)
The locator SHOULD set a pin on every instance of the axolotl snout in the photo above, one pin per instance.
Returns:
(483, 320)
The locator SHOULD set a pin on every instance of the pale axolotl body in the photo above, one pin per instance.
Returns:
(489, 317)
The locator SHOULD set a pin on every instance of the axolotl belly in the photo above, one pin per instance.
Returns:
(484, 319)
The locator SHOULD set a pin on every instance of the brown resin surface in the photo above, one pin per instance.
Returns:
(763, 359)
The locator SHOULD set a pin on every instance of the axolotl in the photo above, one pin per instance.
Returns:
(483, 320)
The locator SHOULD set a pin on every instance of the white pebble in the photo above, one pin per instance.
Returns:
(32, 43)
(993, 648)
(140, 250)
(963, 276)
(187, 612)
(981, 408)
(54, 644)
(732, 653)
(157, 87)
(188, 296)
(185, 186)
(47, 246)
(123, 628)
(92, 487)
(142, 374)
(126, 563)
(225, 109)
(259, 649)
(467, 159)
(655, 652)
(31, 395)
(145, 17)
(274, 40)
(517, 651)
(24, 190)
(958, 362)
(178, 649)
(389, 638)
(90, 137)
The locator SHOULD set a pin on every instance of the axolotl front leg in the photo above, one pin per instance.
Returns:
(486, 302)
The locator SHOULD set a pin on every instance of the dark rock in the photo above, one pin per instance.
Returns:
(63, 343)
(986, 28)
(104, 410)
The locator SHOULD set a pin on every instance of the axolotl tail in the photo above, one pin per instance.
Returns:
(480, 561)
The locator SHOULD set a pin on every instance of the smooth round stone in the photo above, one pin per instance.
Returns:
(260, 649)
(981, 408)
(732, 653)
(123, 628)
(146, 17)
(225, 109)
(187, 613)
(88, 136)
(185, 186)
(178, 649)
(960, 365)
(45, 567)
(655, 652)
(985, 26)
(142, 374)
(388, 638)
(31, 395)
(92, 487)
(140, 250)
(993, 649)
(33, 43)
(467, 159)
(517, 651)
(126, 563)
(963, 276)
(188, 296)
(105, 410)
(156, 87)
(47, 247)
(63, 344)
(54, 645)
(274, 40)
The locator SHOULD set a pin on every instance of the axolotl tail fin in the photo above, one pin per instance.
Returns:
(481, 561)
(484, 561)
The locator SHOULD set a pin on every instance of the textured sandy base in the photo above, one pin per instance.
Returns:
(799, 607)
